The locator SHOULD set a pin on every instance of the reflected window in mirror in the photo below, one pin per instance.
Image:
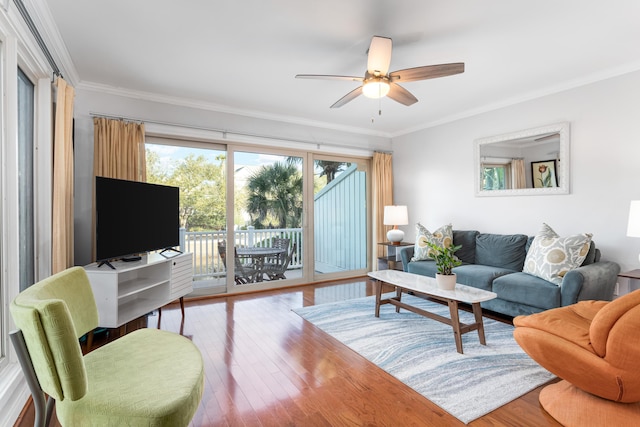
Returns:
(496, 176)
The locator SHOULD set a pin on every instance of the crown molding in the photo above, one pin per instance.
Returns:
(209, 106)
(568, 85)
(42, 18)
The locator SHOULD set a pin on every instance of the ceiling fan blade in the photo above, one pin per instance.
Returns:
(329, 77)
(401, 95)
(427, 72)
(348, 97)
(379, 55)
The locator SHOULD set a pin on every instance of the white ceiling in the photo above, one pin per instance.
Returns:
(242, 56)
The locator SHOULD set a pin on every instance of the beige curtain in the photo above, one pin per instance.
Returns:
(382, 196)
(518, 174)
(118, 149)
(62, 209)
(118, 152)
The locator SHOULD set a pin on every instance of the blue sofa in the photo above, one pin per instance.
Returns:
(494, 262)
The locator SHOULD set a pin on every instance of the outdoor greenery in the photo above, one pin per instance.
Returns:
(202, 189)
(493, 178)
(274, 196)
(329, 169)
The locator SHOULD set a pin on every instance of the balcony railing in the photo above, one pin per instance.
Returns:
(207, 264)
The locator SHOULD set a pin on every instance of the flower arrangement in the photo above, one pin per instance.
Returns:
(444, 257)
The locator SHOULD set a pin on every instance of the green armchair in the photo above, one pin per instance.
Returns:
(146, 378)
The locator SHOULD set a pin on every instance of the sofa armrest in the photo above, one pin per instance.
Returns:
(406, 253)
(595, 281)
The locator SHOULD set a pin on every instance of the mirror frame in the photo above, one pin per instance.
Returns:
(563, 176)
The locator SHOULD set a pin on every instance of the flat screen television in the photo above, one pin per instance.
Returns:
(135, 217)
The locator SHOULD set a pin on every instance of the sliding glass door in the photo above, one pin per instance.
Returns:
(340, 217)
(258, 218)
(199, 170)
(268, 216)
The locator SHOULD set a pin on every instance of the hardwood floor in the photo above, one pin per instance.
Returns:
(266, 366)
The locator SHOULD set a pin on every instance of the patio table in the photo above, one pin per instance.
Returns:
(258, 254)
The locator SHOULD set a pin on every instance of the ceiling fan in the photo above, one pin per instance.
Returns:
(379, 82)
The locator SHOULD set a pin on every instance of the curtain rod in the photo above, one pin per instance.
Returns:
(224, 132)
(502, 158)
(36, 34)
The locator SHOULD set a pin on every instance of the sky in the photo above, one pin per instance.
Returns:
(169, 152)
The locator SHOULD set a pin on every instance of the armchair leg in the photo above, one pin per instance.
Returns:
(51, 403)
(43, 406)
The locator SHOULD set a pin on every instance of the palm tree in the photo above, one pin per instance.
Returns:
(275, 194)
(329, 168)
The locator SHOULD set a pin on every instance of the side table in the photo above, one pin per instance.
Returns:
(630, 277)
(391, 260)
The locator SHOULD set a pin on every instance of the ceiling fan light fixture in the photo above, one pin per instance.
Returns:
(377, 87)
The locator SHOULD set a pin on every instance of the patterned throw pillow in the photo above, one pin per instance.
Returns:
(443, 236)
(551, 256)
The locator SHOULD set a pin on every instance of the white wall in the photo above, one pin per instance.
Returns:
(434, 169)
(192, 122)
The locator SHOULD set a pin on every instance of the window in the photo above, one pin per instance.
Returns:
(25, 180)
(25, 174)
(496, 176)
(267, 190)
(199, 170)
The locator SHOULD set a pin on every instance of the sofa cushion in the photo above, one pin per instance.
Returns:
(443, 236)
(501, 250)
(529, 242)
(591, 255)
(424, 267)
(479, 276)
(589, 259)
(523, 288)
(509, 308)
(466, 239)
(551, 256)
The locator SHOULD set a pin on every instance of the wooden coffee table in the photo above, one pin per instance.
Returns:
(426, 287)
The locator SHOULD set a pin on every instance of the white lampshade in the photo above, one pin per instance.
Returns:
(395, 215)
(633, 228)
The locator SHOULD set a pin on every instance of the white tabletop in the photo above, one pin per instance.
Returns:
(427, 285)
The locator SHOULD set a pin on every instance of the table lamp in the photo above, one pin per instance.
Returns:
(633, 228)
(395, 215)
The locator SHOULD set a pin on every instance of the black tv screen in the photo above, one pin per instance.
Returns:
(135, 217)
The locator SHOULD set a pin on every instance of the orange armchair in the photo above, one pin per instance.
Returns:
(594, 346)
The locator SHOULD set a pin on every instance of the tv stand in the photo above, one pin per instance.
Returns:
(133, 289)
(169, 249)
(107, 263)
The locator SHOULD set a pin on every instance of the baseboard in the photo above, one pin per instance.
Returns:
(14, 394)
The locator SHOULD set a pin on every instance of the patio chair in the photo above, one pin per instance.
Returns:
(275, 271)
(243, 273)
(146, 378)
(278, 243)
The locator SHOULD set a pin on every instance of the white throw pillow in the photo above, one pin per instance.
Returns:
(550, 256)
(443, 236)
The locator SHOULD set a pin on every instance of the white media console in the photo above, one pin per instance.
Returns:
(136, 288)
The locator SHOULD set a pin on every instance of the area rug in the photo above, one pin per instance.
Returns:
(421, 353)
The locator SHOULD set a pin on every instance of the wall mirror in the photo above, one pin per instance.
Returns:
(525, 163)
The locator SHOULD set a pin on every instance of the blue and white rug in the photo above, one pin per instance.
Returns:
(421, 353)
